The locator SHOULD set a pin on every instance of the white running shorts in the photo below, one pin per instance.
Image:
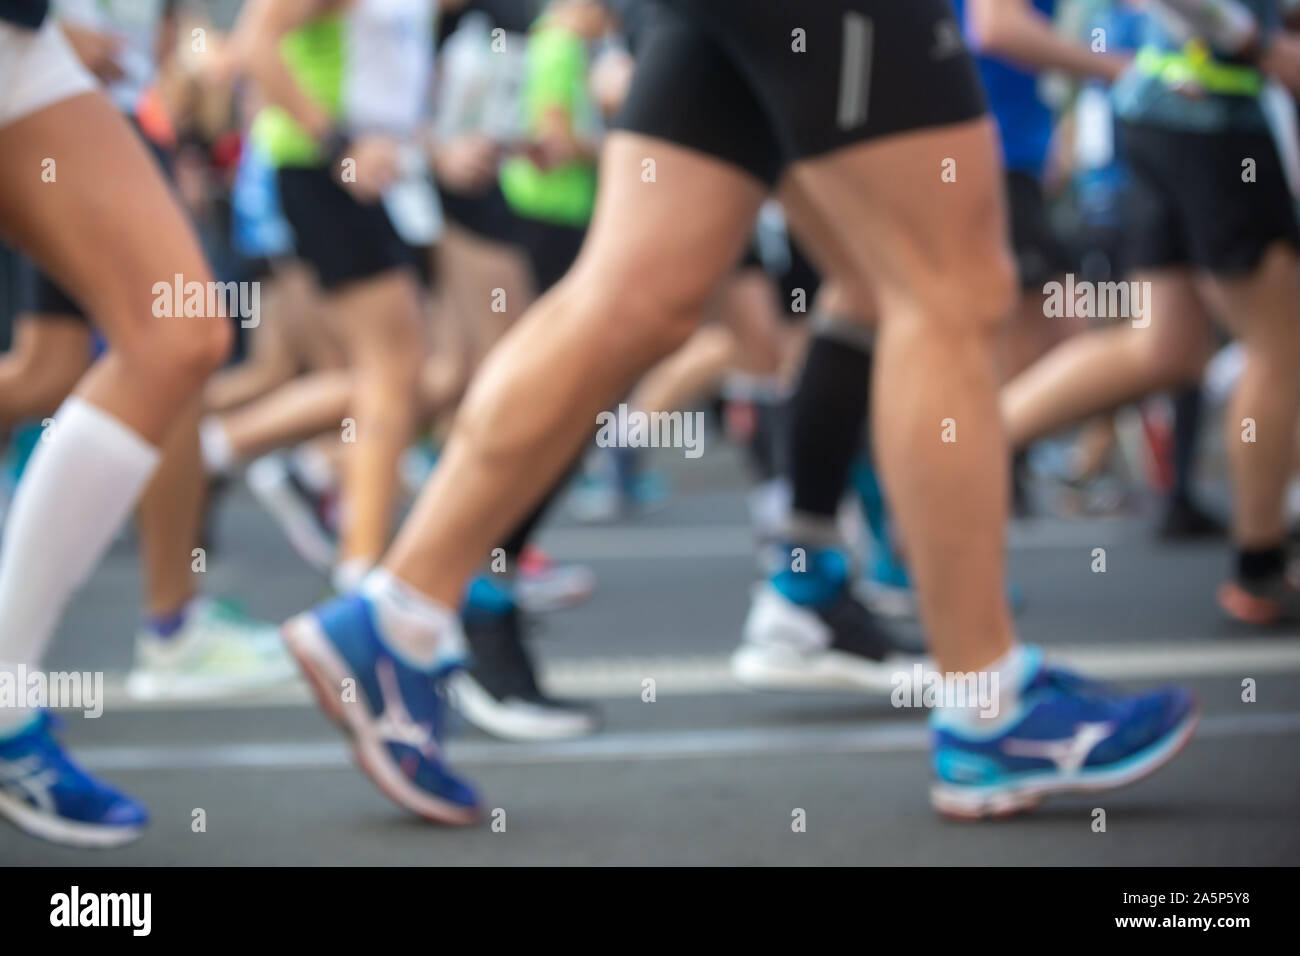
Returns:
(37, 69)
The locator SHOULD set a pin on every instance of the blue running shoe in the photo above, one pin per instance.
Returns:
(395, 714)
(44, 793)
(1067, 735)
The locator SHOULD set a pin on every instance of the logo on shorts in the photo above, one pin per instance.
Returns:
(947, 40)
(857, 46)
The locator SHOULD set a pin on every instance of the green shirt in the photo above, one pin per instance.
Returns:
(556, 78)
(314, 55)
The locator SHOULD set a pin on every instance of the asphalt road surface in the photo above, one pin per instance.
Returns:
(707, 773)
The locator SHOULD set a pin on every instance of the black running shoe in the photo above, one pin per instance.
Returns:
(498, 693)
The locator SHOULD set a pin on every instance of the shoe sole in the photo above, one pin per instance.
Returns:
(153, 687)
(52, 829)
(971, 803)
(325, 672)
(761, 668)
(480, 708)
(541, 598)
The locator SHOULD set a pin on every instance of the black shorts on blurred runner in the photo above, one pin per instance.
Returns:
(1190, 205)
(341, 238)
(761, 84)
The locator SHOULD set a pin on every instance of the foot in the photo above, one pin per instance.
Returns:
(219, 651)
(1067, 735)
(542, 585)
(42, 792)
(393, 713)
(307, 518)
(831, 646)
(1263, 603)
(498, 692)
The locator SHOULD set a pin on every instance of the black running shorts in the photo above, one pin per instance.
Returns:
(552, 249)
(1190, 205)
(341, 238)
(486, 215)
(761, 84)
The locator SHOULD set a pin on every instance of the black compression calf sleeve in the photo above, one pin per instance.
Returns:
(519, 537)
(828, 413)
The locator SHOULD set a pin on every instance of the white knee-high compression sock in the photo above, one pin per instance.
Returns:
(76, 492)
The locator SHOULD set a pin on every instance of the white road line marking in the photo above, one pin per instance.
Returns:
(910, 737)
(726, 541)
(684, 675)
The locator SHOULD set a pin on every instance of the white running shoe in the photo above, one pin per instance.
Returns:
(837, 647)
(543, 585)
(217, 652)
(298, 512)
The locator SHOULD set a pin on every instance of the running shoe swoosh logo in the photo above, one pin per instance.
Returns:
(1068, 753)
(29, 778)
(395, 723)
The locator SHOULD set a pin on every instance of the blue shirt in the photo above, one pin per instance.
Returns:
(1024, 120)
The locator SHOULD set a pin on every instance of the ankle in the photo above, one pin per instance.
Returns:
(420, 630)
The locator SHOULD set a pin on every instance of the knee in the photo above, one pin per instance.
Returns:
(185, 351)
(208, 347)
(973, 299)
(990, 290)
(651, 316)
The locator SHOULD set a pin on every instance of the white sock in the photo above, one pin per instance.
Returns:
(348, 575)
(215, 447)
(417, 628)
(1003, 679)
(78, 489)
